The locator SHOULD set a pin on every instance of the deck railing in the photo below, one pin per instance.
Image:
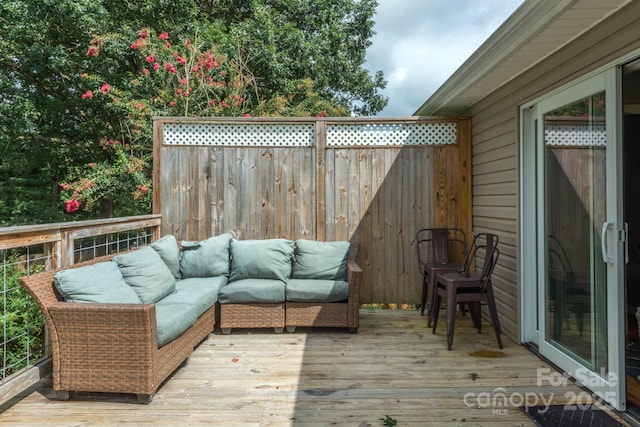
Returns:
(26, 250)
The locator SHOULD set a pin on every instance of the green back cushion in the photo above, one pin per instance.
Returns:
(147, 274)
(100, 282)
(261, 259)
(167, 248)
(207, 258)
(320, 260)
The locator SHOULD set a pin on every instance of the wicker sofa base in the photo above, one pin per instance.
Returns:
(330, 314)
(110, 348)
(252, 315)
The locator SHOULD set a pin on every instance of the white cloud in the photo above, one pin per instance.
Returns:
(420, 43)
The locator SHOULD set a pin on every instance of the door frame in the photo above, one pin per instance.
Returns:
(610, 386)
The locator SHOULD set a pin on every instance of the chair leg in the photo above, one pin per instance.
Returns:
(434, 309)
(433, 315)
(476, 315)
(424, 295)
(491, 302)
(451, 314)
(431, 292)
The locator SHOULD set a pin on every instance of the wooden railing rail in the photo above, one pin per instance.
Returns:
(59, 237)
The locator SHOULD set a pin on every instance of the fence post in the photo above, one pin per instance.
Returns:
(320, 145)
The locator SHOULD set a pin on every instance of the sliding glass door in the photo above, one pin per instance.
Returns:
(575, 224)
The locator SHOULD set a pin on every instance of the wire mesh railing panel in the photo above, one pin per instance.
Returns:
(107, 244)
(23, 333)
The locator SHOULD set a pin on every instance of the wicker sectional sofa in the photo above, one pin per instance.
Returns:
(124, 323)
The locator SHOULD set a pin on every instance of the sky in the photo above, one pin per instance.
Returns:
(420, 43)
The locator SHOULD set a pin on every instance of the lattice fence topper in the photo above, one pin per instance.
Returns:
(302, 135)
(383, 134)
(257, 135)
(575, 135)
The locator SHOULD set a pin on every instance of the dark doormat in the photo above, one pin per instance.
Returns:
(570, 416)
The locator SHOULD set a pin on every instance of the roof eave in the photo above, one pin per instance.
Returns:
(528, 20)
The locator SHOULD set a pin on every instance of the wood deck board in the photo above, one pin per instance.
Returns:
(394, 366)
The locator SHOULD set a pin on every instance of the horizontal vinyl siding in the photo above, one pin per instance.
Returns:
(495, 144)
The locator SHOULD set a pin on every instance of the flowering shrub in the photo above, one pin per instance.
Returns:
(164, 76)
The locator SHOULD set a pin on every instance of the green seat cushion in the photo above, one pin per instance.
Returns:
(252, 291)
(200, 292)
(320, 260)
(207, 258)
(172, 320)
(148, 275)
(100, 282)
(261, 259)
(314, 290)
(167, 248)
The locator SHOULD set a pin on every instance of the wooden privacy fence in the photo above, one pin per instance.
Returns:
(372, 180)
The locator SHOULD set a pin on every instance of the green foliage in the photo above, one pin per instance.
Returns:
(321, 40)
(281, 58)
(22, 321)
(387, 421)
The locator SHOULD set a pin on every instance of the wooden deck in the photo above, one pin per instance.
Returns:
(393, 367)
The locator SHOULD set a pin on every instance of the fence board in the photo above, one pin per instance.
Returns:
(379, 195)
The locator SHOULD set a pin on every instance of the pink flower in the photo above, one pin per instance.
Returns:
(183, 81)
(145, 71)
(105, 88)
(65, 186)
(87, 95)
(72, 205)
(169, 66)
(224, 104)
(144, 189)
(181, 60)
(150, 59)
(92, 51)
(143, 33)
(188, 43)
(91, 165)
(137, 44)
(139, 105)
(163, 36)
(156, 66)
(172, 104)
(246, 115)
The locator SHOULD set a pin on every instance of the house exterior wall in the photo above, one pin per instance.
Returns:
(495, 139)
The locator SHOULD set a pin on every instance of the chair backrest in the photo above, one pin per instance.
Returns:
(558, 264)
(439, 240)
(483, 245)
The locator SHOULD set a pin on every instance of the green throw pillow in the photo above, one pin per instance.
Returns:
(261, 259)
(100, 282)
(208, 258)
(147, 274)
(320, 260)
(167, 248)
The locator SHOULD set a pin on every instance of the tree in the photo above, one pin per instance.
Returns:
(56, 120)
(324, 40)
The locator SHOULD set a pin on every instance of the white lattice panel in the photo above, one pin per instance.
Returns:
(575, 135)
(217, 134)
(383, 134)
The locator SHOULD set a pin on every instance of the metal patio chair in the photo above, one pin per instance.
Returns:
(470, 287)
(435, 255)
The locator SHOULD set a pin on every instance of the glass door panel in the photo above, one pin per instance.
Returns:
(575, 196)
